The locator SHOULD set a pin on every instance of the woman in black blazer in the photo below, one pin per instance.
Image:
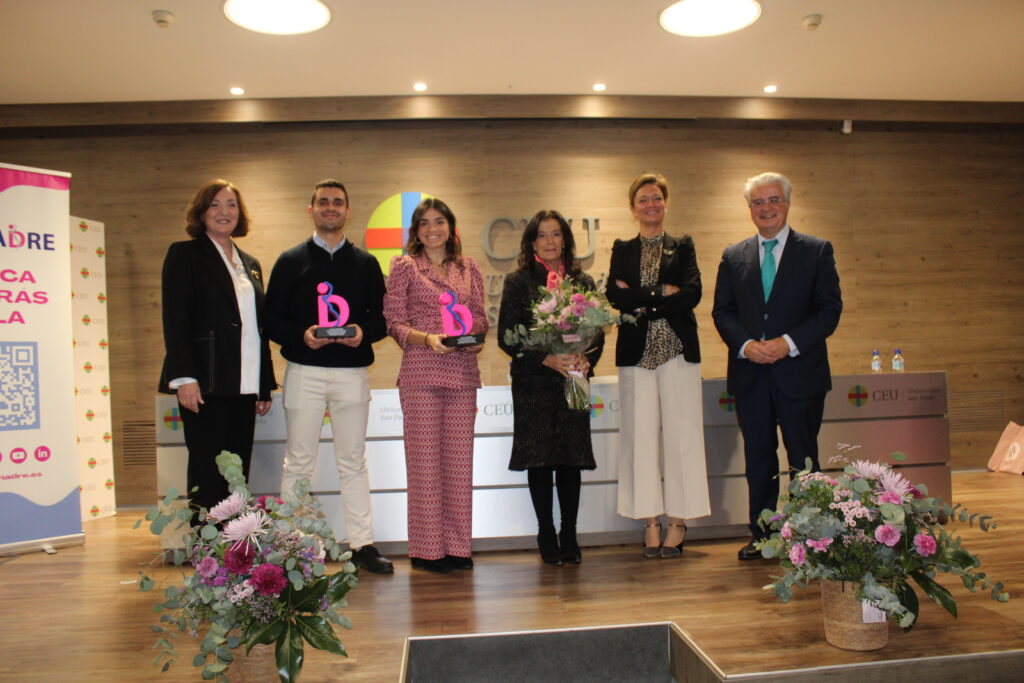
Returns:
(662, 471)
(217, 359)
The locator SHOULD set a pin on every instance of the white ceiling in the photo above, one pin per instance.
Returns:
(111, 50)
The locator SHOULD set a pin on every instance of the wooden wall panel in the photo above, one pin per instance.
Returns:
(926, 223)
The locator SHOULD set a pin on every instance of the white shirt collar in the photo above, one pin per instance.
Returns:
(320, 242)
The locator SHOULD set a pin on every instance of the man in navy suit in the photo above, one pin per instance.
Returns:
(777, 299)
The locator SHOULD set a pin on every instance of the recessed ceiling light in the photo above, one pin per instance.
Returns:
(771, 88)
(278, 17)
(600, 87)
(237, 91)
(419, 86)
(699, 18)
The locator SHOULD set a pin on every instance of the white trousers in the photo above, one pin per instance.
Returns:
(662, 468)
(345, 393)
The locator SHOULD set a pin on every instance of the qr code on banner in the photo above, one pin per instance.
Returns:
(19, 386)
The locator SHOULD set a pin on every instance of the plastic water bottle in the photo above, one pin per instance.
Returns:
(876, 361)
(897, 361)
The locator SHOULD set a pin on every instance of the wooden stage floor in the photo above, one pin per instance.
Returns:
(79, 616)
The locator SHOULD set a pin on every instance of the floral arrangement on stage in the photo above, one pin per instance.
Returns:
(258, 576)
(566, 319)
(870, 526)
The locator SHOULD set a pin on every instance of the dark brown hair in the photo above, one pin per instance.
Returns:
(194, 225)
(328, 182)
(452, 247)
(527, 252)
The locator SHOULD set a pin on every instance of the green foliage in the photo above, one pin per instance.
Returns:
(302, 613)
(869, 526)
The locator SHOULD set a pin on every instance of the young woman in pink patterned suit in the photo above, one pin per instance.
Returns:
(437, 385)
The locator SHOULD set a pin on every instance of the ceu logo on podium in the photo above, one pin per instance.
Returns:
(857, 395)
(727, 402)
(596, 405)
(172, 419)
(388, 229)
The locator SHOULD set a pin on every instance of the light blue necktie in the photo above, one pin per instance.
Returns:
(768, 267)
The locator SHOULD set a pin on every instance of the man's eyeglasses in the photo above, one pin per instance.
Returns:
(771, 200)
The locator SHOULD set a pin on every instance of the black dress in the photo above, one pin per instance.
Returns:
(546, 433)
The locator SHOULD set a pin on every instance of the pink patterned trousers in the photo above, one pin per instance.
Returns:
(438, 426)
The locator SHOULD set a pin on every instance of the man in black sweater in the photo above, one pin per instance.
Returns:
(329, 373)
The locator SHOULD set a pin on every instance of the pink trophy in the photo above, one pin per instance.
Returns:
(457, 321)
(332, 313)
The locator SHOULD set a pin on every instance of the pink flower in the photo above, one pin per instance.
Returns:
(890, 497)
(262, 502)
(887, 534)
(869, 470)
(554, 280)
(916, 492)
(548, 305)
(238, 559)
(894, 481)
(578, 298)
(268, 579)
(797, 554)
(207, 567)
(925, 545)
(579, 309)
(786, 532)
(227, 508)
(246, 527)
(820, 545)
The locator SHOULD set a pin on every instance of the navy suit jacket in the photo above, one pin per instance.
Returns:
(805, 303)
(202, 324)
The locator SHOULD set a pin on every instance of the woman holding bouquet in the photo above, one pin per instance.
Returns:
(437, 386)
(549, 439)
(662, 470)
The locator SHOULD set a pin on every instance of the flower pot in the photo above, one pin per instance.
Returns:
(844, 619)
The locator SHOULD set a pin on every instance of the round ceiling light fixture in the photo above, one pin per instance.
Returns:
(278, 17)
(701, 18)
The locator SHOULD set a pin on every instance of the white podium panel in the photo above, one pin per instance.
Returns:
(866, 417)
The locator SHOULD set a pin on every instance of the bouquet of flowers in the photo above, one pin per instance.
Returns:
(870, 526)
(258, 577)
(566, 319)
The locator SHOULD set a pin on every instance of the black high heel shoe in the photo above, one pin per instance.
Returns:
(652, 551)
(570, 547)
(547, 542)
(669, 551)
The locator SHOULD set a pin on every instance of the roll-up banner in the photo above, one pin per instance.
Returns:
(93, 440)
(39, 494)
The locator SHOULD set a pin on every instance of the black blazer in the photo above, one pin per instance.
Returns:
(202, 324)
(805, 303)
(679, 268)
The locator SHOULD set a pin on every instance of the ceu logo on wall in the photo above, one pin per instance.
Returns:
(727, 402)
(857, 396)
(388, 229)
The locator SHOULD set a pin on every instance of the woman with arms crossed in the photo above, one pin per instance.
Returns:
(662, 469)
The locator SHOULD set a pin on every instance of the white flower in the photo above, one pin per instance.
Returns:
(246, 527)
(227, 508)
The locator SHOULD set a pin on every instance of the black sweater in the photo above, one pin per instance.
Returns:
(291, 304)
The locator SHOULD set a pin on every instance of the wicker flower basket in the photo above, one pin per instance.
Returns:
(844, 619)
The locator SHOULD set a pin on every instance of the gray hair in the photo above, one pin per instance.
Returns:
(767, 179)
